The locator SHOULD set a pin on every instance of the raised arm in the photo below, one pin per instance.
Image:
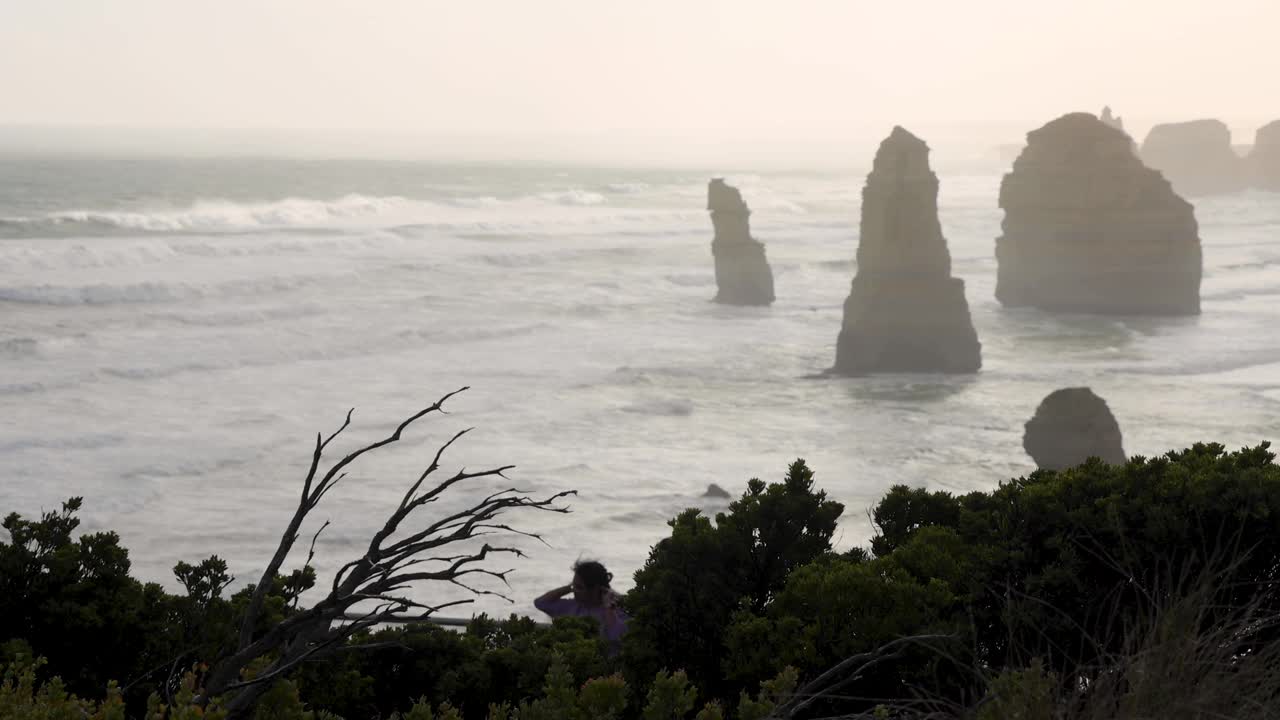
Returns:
(552, 603)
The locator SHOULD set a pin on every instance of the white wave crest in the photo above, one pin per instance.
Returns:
(223, 215)
(627, 187)
(573, 196)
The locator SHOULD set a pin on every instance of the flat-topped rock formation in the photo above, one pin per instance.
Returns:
(743, 276)
(1089, 228)
(1196, 157)
(1070, 426)
(1264, 159)
(905, 313)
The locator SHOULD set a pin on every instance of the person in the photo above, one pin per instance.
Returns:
(592, 597)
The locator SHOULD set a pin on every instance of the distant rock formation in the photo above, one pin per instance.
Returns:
(1089, 228)
(743, 276)
(1196, 157)
(1070, 426)
(715, 491)
(1114, 121)
(1264, 159)
(905, 313)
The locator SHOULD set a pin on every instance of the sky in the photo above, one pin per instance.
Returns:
(640, 78)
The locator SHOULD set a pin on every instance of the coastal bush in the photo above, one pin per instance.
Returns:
(694, 581)
(835, 608)
(1170, 663)
(1056, 565)
(489, 662)
(24, 697)
(72, 600)
(1104, 588)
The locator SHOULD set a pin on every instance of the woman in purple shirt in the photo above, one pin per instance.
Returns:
(592, 597)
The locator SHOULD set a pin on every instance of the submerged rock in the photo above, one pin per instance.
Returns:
(1089, 228)
(1264, 159)
(1070, 426)
(1196, 157)
(743, 276)
(905, 313)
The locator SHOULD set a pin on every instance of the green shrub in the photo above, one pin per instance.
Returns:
(491, 662)
(1056, 564)
(24, 697)
(696, 579)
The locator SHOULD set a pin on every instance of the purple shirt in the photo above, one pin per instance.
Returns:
(613, 621)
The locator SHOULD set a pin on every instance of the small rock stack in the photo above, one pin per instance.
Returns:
(1196, 157)
(1114, 121)
(1070, 426)
(743, 276)
(1117, 122)
(905, 313)
(1089, 228)
(1264, 159)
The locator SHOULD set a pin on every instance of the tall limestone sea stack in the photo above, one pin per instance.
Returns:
(1196, 157)
(1070, 426)
(1265, 158)
(1089, 228)
(905, 313)
(743, 276)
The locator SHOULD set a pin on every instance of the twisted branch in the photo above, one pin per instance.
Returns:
(388, 566)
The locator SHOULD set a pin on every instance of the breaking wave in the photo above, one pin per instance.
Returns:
(150, 292)
(573, 197)
(549, 211)
(213, 216)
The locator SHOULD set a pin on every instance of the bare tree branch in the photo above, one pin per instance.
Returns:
(392, 563)
(312, 552)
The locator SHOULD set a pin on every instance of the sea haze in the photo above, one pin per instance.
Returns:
(173, 333)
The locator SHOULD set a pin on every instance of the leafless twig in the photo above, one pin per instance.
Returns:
(392, 563)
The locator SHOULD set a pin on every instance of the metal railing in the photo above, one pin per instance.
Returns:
(450, 622)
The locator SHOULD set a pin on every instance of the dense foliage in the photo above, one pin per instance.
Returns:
(696, 580)
(1042, 593)
(1057, 563)
(72, 600)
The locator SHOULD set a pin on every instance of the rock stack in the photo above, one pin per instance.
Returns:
(743, 276)
(1089, 228)
(905, 313)
(1265, 158)
(1196, 157)
(715, 491)
(1070, 426)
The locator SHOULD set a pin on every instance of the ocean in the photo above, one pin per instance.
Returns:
(175, 331)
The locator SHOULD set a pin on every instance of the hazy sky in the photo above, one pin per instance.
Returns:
(693, 72)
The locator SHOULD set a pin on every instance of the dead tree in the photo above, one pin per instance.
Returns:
(408, 550)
